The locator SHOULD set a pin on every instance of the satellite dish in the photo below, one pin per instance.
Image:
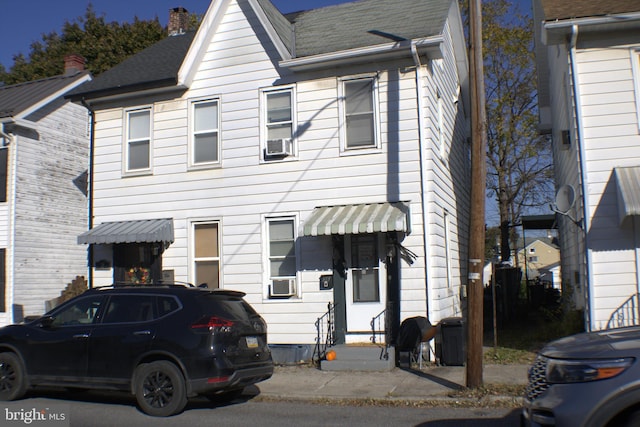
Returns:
(565, 199)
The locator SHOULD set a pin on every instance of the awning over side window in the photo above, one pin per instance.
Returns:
(358, 219)
(628, 184)
(139, 231)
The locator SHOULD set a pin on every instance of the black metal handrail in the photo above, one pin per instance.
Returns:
(626, 314)
(325, 333)
(379, 334)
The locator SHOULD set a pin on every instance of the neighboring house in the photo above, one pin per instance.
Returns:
(588, 58)
(538, 259)
(43, 201)
(319, 157)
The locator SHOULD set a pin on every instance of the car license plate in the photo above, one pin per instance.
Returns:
(252, 342)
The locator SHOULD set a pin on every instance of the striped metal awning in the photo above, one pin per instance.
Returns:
(628, 184)
(358, 219)
(138, 231)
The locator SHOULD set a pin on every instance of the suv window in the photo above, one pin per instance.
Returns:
(129, 308)
(228, 308)
(81, 312)
(166, 305)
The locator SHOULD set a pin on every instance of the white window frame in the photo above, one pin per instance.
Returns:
(376, 146)
(635, 66)
(267, 258)
(192, 249)
(264, 125)
(126, 141)
(192, 133)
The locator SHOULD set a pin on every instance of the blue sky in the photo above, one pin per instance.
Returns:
(24, 21)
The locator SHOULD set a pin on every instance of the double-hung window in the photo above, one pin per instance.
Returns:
(359, 113)
(635, 65)
(282, 257)
(206, 254)
(205, 148)
(138, 140)
(279, 122)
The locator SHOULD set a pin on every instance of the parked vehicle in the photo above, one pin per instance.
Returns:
(161, 343)
(586, 380)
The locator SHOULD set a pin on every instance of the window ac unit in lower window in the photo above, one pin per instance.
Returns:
(279, 147)
(283, 287)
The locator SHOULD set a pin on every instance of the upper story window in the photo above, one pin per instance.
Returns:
(635, 61)
(138, 140)
(359, 113)
(279, 122)
(205, 139)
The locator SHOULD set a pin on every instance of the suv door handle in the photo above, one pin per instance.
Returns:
(146, 332)
(81, 336)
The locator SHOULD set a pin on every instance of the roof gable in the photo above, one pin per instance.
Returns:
(19, 100)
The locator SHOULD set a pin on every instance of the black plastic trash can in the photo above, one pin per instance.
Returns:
(452, 341)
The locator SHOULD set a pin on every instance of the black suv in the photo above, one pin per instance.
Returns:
(161, 343)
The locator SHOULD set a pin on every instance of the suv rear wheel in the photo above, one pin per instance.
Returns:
(13, 384)
(160, 388)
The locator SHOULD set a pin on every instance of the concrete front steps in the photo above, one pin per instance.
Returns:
(359, 357)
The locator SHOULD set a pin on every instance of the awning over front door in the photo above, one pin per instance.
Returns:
(358, 219)
(628, 184)
(139, 231)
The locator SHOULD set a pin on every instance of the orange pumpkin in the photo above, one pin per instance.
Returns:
(331, 355)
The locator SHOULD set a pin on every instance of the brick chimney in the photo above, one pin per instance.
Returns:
(178, 21)
(73, 63)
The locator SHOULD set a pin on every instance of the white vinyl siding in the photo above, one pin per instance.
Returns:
(138, 140)
(205, 136)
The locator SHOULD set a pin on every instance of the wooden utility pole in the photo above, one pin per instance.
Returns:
(478, 189)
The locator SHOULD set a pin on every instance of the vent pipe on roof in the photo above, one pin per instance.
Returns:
(178, 21)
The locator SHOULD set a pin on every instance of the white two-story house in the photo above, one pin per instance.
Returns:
(44, 146)
(314, 158)
(588, 58)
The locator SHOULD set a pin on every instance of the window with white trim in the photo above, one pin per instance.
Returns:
(205, 137)
(282, 255)
(206, 254)
(138, 140)
(359, 113)
(635, 62)
(278, 122)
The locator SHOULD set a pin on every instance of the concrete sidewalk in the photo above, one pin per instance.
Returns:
(430, 383)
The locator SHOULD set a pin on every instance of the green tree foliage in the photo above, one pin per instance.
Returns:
(519, 160)
(102, 44)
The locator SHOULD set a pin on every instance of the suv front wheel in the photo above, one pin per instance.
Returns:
(160, 388)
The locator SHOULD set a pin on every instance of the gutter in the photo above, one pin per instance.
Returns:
(589, 323)
(92, 139)
(421, 144)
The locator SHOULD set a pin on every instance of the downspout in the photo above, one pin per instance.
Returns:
(92, 115)
(582, 155)
(421, 144)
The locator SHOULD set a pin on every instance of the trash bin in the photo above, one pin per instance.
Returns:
(452, 341)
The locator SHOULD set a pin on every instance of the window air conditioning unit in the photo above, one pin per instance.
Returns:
(279, 147)
(283, 287)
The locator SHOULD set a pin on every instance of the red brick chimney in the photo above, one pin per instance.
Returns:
(73, 63)
(178, 21)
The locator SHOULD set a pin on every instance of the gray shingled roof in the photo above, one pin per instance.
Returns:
(17, 98)
(330, 29)
(366, 23)
(154, 67)
(571, 9)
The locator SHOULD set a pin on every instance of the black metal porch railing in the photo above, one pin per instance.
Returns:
(379, 334)
(325, 333)
(626, 314)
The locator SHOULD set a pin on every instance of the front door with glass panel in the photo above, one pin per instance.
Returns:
(365, 286)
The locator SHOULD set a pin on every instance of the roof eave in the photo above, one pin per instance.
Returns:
(431, 46)
(128, 91)
(556, 31)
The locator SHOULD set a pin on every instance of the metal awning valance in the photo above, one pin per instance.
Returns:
(138, 231)
(628, 184)
(358, 219)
